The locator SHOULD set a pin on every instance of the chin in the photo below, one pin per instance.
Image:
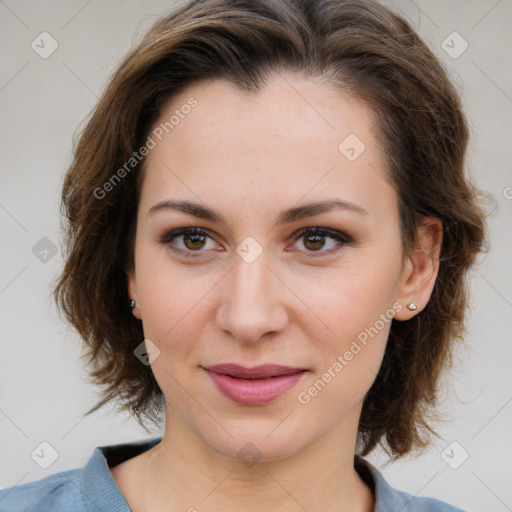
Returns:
(258, 440)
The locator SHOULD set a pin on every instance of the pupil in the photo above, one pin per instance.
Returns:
(318, 239)
(194, 243)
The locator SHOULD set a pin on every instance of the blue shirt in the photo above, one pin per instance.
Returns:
(92, 488)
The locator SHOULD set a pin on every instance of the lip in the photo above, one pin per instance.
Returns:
(254, 386)
(255, 372)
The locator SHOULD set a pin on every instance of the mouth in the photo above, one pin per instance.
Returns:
(263, 371)
(256, 385)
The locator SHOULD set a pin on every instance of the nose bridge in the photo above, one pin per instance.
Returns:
(250, 304)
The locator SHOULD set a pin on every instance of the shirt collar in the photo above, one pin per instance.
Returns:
(99, 486)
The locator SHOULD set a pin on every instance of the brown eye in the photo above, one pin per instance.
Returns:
(193, 240)
(314, 240)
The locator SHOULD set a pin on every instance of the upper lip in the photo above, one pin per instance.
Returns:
(254, 372)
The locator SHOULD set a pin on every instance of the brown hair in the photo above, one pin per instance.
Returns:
(358, 46)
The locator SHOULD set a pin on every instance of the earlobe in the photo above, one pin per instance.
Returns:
(132, 293)
(420, 269)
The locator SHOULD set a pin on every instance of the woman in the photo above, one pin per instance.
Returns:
(269, 227)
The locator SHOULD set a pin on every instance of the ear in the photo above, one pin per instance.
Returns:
(421, 267)
(131, 283)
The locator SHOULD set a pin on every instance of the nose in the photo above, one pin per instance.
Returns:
(251, 303)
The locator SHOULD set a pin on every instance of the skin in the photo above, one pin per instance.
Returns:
(249, 157)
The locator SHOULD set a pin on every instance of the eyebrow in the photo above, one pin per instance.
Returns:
(285, 217)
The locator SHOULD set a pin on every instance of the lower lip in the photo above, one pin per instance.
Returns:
(254, 391)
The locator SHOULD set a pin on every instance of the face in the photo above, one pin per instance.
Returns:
(266, 281)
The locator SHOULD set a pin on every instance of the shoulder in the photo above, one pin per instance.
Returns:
(88, 489)
(56, 493)
(388, 498)
(410, 503)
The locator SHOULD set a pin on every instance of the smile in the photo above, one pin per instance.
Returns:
(255, 390)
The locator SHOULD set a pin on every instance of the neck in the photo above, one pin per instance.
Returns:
(182, 472)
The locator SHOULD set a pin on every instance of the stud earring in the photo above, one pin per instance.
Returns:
(132, 304)
(412, 306)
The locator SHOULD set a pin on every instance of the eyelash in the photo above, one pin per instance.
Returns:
(336, 235)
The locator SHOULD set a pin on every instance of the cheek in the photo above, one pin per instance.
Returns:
(343, 301)
(174, 317)
(353, 306)
(358, 313)
(176, 309)
(173, 309)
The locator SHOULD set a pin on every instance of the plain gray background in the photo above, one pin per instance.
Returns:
(43, 387)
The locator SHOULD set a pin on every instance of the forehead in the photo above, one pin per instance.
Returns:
(294, 138)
